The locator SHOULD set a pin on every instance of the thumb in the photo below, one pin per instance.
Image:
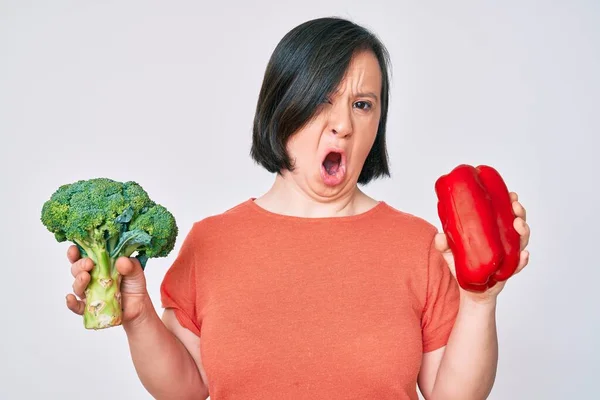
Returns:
(129, 267)
(442, 245)
(134, 280)
(441, 242)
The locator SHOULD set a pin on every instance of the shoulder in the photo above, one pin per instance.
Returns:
(224, 221)
(406, 224)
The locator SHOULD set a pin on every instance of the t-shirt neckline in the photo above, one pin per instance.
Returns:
(294, 218)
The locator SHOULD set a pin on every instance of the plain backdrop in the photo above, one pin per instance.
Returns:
(164, 93)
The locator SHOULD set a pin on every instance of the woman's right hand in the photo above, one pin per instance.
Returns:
(134, 295)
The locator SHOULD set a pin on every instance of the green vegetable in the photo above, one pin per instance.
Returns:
(107, 219)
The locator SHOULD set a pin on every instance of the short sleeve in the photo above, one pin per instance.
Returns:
(178, 288)
(441, 303)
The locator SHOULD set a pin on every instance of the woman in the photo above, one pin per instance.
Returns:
(314, 289)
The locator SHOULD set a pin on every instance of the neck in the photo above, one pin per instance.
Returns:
(287, 198)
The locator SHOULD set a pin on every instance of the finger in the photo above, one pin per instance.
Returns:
(523, 261)
(82, 265)
(80, 284)
(125, 266)
(519, 210)
(524, 231)
(129, 266)
(441, 242)
(77, 306)
(514, 196)
(73, 254)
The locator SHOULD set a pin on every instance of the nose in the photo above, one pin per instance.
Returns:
(340, 121)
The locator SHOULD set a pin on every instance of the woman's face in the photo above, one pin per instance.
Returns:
(329, 152)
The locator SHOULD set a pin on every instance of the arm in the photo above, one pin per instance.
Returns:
(161, 352)
(466, 367)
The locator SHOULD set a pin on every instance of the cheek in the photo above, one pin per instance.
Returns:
(301, 148)
(365, 142)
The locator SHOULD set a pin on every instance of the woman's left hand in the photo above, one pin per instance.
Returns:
(522, 228)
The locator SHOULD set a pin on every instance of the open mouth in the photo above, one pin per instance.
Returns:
(332, 163)
(333, 168)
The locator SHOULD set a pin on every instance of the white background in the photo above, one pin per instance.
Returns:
(164, 94)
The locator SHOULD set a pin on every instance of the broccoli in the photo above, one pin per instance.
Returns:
(107, 219)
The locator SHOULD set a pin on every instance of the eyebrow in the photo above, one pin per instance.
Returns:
(368, 94)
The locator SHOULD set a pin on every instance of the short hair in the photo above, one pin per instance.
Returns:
(306, 66)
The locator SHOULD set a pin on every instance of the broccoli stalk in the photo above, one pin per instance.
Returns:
(107, 220)
(103, 294)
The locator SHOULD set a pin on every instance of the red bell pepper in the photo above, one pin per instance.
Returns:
(475, 209)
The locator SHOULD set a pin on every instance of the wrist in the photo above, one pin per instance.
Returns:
(477, 301)
(142, 316)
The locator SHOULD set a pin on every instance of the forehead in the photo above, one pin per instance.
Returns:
(364, 72)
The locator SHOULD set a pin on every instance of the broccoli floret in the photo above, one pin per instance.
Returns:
(107, 219)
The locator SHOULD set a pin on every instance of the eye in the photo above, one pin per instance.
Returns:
(363, 105)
